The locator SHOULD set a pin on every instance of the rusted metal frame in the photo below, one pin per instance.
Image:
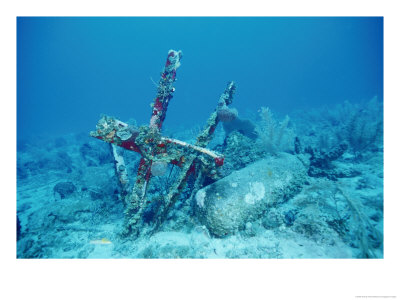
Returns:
(137, 201)
(150, 144)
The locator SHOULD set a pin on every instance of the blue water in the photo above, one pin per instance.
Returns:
(307, 141)
(71, 70)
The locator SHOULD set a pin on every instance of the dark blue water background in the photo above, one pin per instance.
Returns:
(70, 70)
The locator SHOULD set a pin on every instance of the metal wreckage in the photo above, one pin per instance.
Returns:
(193, 160)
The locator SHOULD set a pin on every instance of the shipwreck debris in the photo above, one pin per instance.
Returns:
(155, 149)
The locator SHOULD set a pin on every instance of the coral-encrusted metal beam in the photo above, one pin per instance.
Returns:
(121, 134)
(165, 89)
(226, 99)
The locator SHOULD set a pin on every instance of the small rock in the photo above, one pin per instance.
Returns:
(64, 189)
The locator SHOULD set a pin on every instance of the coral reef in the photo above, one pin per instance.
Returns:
(316, 222)
(239, 151)
(360, 125)
(257, 191)
(321, 163)
(274, 137)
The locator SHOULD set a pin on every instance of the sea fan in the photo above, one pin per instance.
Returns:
(274, 136)
(226, 114)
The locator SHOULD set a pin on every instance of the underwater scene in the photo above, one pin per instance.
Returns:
(211, 137)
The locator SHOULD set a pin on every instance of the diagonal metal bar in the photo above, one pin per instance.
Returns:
(226, 99)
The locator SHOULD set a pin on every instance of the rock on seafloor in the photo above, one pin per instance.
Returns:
(245, 195)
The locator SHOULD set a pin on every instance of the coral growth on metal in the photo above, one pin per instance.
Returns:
(156, 149)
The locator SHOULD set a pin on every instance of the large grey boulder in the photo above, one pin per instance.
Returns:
(244, 196)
